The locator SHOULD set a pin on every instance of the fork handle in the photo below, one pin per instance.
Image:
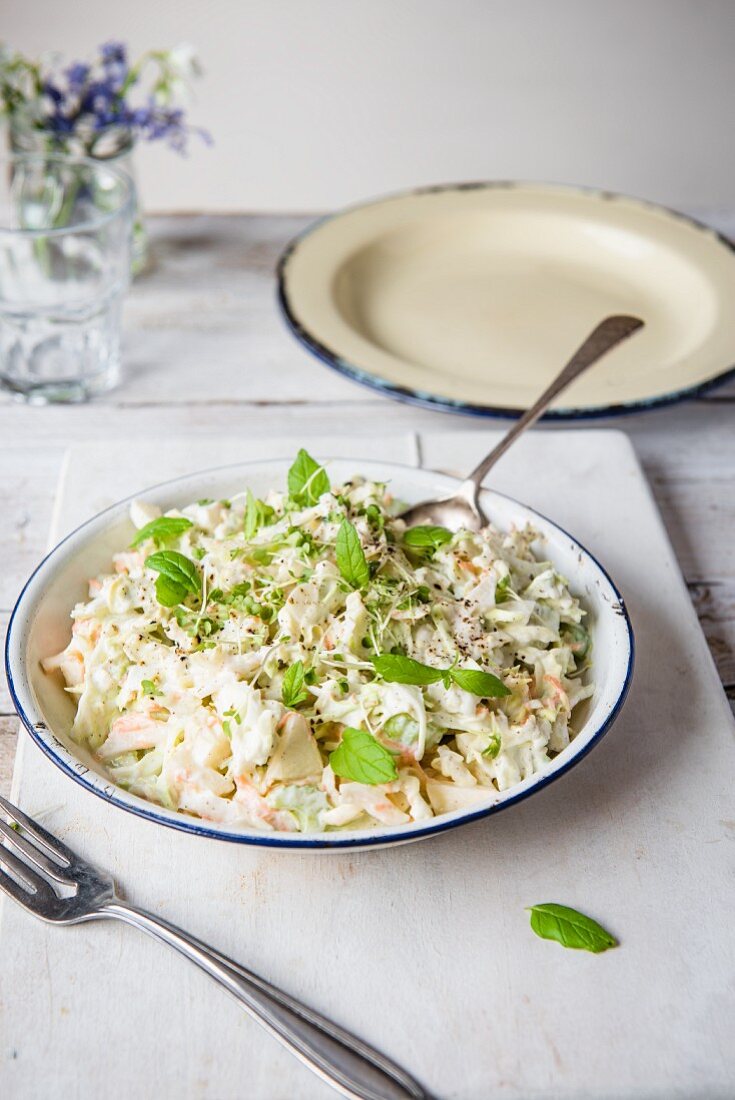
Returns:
(349, 1065)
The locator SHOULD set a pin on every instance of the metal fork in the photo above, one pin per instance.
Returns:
(37, 870)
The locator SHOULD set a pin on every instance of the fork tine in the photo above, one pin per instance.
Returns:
(36, 885)
(34, 855)
(51, 842)
(11, 887)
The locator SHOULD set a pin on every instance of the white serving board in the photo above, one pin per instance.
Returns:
(424, 950)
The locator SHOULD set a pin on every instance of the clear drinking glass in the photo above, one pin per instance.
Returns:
(65, 241)
(112, 144)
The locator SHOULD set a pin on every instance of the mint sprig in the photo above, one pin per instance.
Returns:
(397, 669)
(350, 556)
(363, 759)
(178, 576)
(426, 537)
(257, 515)
(293, 689)
(307, 480)
(483, 684)
(162, 530)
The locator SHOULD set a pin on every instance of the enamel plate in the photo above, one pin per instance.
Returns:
(470, 298)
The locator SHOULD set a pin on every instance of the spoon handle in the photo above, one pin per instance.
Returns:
(608, 334)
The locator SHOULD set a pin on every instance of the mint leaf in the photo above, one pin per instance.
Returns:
(250, 521)
(168, 593)
(307, 480)
(149, 688)
(162, 530)
(257, 515)
(493, 748)
(502, 589)
(427, 537)
(361, 758)
(178, 576)
(479, 683)
(292, 691)
(569, 928)
(350, 556)
(397, 669)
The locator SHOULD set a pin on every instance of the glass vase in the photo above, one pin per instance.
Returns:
(114, 145)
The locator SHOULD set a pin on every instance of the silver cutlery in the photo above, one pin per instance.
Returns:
(49, 880)
(463, 508)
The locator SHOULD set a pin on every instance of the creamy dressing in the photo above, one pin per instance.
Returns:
(184, 705)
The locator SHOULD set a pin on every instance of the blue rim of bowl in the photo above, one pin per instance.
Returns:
(324, 841)
(425, 400)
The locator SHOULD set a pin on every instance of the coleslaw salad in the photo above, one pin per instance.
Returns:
(304, 663)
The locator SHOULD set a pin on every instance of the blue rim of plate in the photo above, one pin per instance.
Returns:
(324, 841)
(426, 400)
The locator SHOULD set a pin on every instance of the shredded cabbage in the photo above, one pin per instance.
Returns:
(184, 705)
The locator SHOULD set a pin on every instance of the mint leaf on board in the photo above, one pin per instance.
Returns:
(293, 691)
(307, 480)
(350, 556)
(363, 759)
(569, 928)
(483, 684)
(162, 530)
(396, 669)
(178, 576)
(427, 537)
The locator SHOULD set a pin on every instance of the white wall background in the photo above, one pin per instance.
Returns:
(317, 103)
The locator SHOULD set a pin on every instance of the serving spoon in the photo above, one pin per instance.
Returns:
(462, 510)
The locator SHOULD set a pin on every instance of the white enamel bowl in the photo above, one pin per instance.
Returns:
(40, 626)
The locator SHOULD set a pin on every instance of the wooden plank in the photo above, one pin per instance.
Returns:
(28, 479)
(699, 514)
(6, 706)
(714, 603)
(8, 739)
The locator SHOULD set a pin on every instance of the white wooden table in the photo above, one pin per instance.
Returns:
(206, 352)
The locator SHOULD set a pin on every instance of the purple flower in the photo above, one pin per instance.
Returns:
(52, 92)
(113, 51)
(76, 75)
(115, 64)
(92, 97)
(59, 124)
